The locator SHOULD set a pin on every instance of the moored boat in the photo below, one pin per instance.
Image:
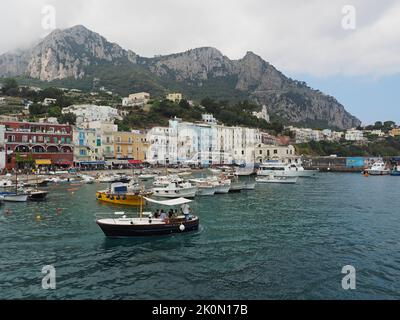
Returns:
(285, 170)
(378, 168)
(15, 197)
(277, 179)
(176, 190)
(395, 171)
(37, 195)
(120, 193)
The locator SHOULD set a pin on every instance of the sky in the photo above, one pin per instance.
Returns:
(349, 49)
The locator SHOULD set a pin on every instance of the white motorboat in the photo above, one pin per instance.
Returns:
(277, 179)
(378, 168)
(215, 171)
(14, 197)
(87, 179)
(146, 176)
(279, 169)
(6, 183)
(163, 181)
(176, 190)
(205, 189)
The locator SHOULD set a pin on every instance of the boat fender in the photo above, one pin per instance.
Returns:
(182, 227)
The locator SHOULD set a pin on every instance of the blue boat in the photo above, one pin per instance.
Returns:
(396, 171)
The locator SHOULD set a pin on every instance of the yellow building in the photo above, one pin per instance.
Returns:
(395, 132)
(174, 97)
(130, 145)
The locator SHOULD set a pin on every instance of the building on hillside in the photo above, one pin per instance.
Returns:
(329, 135)
(269, 139)
(354, 135)
(49, 101)
(139, 99)
(209, 118)
(263, 114)
(89, 113)
(40, 144)
(285, 154)
(395, 132)
(51, 120)
(174, 97)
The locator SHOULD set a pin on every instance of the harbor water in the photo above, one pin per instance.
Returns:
(276, 242)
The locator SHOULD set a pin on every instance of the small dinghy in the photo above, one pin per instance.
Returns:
(147, 225)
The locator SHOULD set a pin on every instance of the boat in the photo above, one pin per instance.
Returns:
(163, 181)
(122, 194)
(205, 188)
(244, 171)
(222, 184)
(15, 197)
(285, 170)
(378, 168)
(87, 179)
(215, 171)
(36, 195)
(146, 225)
(176, 190)
(145, 177)
(277, 179)
(6, 183)
(395, 171)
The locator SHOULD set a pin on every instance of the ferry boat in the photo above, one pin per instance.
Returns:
(378, 168)
(123, 193)
(147, 225)
(176, 190)
(279, 169)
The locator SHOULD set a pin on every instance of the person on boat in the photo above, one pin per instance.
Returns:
(163, 215)
(171, 213)
(186, 211)
(157, 214)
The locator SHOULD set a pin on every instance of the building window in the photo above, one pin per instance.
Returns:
(55, 139)
(11, 139)
(62, 140)
(82, 152)
(275, 151)
(261, 152)
(25, 139)
(40, 138)
(68, 140)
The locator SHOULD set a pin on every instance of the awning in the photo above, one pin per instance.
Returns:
(64, 163)
(169, 203)
(135, 161)
(43, 161)
(88, 163)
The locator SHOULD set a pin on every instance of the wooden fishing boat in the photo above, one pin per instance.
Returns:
(122, 194)
(146, 225)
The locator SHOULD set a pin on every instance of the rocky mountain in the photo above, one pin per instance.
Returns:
(78, 53)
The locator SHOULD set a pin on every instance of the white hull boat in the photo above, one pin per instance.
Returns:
(205, 190)
(175, 190)
(277, 179)
(285, 170)
(236, 186)
(16, 197)
(378, 169)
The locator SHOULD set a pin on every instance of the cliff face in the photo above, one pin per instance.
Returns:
(69, 53)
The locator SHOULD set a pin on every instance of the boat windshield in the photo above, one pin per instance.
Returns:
(169, 203)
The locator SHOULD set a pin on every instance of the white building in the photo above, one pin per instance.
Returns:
(209, 118)
(354, 135)
(202, 143)
(139, 99)
(89, 112)
(263, 114)
(49, 101)
(2, 100)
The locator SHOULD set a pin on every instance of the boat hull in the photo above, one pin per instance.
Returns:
(249, 186)
(148, 229)
(205, 191)
(121, 199)
(177, 193)
(236, 187)
(222, 189)
(16, 198)
(395, 173)
(285, 180)
(378, 172)
(38, 196)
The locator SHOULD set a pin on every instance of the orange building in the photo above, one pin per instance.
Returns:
(130, 145)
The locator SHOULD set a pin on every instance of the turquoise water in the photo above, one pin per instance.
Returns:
(277, 242)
